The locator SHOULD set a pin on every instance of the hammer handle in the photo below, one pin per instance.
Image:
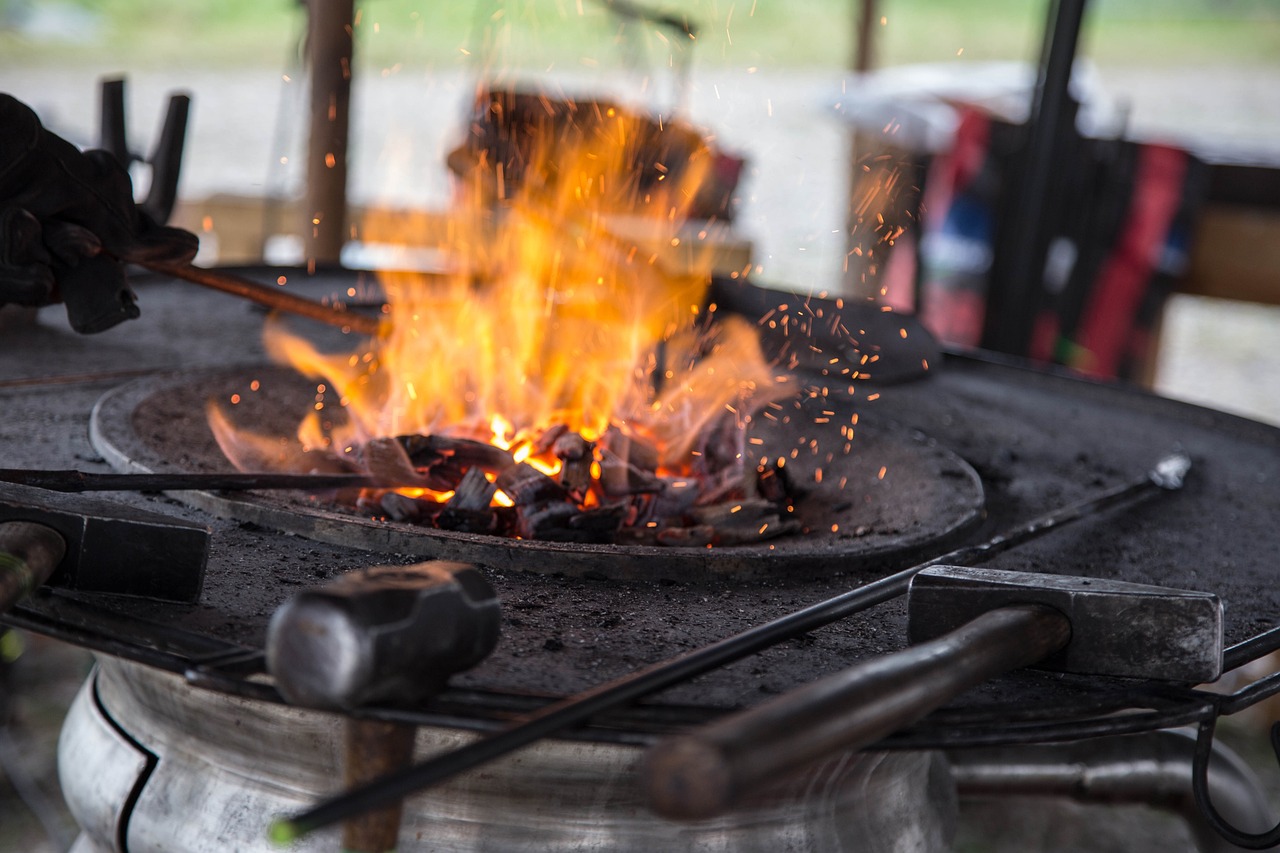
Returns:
(703, 773)
(29, 552)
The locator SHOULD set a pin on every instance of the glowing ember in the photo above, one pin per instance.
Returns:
(589, 368)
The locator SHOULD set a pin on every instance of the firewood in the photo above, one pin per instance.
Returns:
(465, 452)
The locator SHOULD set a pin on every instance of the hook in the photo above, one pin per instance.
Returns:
(1200, 789)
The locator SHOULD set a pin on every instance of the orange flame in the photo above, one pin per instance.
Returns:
(551, 318)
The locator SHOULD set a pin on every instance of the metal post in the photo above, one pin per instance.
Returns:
(330, 45)
(1017, 280)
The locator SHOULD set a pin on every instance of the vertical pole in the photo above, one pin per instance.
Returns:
(1018, 283)
(330, 45)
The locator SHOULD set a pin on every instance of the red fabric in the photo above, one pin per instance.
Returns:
(1107, 325)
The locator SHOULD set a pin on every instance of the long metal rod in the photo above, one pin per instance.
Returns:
(274, 298)
(81, 481)
(572, 711)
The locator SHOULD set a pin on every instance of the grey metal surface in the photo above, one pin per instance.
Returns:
(855, 518)
(1151, 769)
(1117, 628)
(227, 766)
(100, 769)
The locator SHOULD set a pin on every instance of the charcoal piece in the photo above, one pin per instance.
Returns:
(467, 520)
(575, 475)
(721, 446)
(675, 500)
(400, 507)
(443, 461)
(474, 491)
(526, 485)
(465, 453)
(386, 459)
(547, 439)
(774, 483)
(548, 521)
(640, 455)
(422, 453)
(618, 478)
(570, 447)
(599, 523)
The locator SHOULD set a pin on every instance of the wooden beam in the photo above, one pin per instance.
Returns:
(330, 45)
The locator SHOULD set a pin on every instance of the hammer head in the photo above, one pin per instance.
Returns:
(115, 548)
(389, 634)
(1117, 628)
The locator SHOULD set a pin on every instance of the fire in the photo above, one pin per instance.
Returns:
(551, 320)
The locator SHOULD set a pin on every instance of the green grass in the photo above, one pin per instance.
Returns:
(741, 33)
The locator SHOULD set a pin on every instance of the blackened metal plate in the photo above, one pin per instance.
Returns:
(895, 496)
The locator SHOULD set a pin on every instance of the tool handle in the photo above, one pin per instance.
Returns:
(703, 773)
(29, 552)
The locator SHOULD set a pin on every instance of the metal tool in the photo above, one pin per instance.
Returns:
(969, 625)
(383, 634)
(106, 547)
(83, 481)
(273, 298)
(1167, 475)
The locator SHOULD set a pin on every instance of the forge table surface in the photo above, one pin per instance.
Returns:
(1038, 440)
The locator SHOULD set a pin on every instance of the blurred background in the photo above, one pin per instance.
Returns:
(808, 93)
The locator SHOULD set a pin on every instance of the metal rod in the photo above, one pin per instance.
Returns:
(270, 297)
(81, 481)
(572, 711)
(1015, 295)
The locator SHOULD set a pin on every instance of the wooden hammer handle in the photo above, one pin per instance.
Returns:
(703, 773)
(29, 552)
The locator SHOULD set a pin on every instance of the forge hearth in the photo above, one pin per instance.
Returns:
(897, 495)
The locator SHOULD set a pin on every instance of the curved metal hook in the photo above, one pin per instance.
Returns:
(1200, 789)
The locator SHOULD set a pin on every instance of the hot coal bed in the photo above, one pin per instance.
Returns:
(1006, 443)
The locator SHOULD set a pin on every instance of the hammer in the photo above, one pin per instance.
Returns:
(387, 634)
(968, 625)
(96, 546)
